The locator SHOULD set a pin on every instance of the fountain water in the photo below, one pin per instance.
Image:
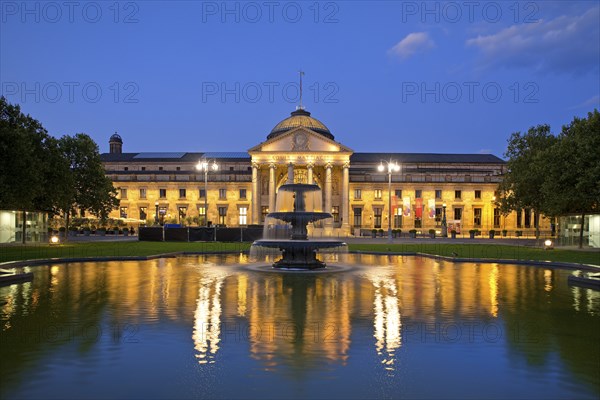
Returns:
(297, 206)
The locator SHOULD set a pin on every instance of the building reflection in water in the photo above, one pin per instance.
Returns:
(299, 323)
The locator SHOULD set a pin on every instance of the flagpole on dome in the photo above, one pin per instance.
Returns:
(300, 107)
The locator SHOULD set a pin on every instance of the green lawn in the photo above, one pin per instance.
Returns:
(487, 251)
(94, 249)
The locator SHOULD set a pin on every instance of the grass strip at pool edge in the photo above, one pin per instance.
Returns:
(462, 250)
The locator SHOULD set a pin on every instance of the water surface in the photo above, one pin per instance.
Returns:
(207, 327)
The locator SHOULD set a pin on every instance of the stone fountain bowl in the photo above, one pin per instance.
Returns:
(300, 216)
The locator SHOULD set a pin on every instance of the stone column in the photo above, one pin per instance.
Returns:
(290, 178)
(309, 175)
(327, 207)
(345, 196)
(271, 187)
(255, 199)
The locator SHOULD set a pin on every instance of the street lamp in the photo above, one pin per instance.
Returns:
(205, 165)
(156, 215)
(392, 166)
(444, 223)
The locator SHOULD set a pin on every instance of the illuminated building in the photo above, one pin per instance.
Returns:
(303, 150)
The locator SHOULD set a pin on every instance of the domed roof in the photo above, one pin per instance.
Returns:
(298, 118)
(115, 138)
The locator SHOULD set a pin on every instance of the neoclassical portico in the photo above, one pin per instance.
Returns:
(300, 149)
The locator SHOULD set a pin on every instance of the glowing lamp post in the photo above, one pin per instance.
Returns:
(205, 165)
(156, 214)
(392, 167)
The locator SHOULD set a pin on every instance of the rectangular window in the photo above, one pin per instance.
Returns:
(123, 193)
(527, 218)
(222, 194)
(201, 216)
(478, 194)
(377, 216)
(143, 168)
(496, 218)
(477, 217)
(398, 217)
(438, 216)
(398, 193)
(162, 193)
(243, 194)
(143, 213)
(264, 210)
(357, 217)
(458, 194)
(357, 194)
(438, 194)
(182, 193)
(142, 193)
(519, 219)
(243, 216)
(418, 193)
(377, 194)
(201, 193)
(222, 215)
(126, 169)
(123, 212)
(182, 214)
(418, 222)
(162, 212)
(458, 213)
(335, 211)
(178, 168)
(160, 168)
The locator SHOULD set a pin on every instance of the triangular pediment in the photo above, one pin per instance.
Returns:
(301, 140)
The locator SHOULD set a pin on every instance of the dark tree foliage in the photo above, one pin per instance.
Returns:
(554, 175)
(40, 172)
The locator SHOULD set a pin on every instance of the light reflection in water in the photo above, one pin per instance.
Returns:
(387, 322)
(494, 291)
(332, 330)
(207, 318)
(548, 280)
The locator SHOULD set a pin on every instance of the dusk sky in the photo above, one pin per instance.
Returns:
(436, 77)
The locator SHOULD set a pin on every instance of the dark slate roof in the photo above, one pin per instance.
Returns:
(425, 158)
(172, 157)
(355, 158)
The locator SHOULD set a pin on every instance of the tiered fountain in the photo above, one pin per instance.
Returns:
(297, 206)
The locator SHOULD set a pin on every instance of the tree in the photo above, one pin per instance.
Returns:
(31, 166)
(89, 190)
(40, 172)
(526, 171)
(572, 184)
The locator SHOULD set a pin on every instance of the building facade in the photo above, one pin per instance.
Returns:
(168, 187)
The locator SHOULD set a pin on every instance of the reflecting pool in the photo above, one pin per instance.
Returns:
(208, 327)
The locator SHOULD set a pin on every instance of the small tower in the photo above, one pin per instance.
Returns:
(116, 144)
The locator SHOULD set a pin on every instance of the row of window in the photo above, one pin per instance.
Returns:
(182, 214)
(179, 169)
(162, 193)
(418, 194)
(457, 215)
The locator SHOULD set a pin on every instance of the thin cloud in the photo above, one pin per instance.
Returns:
(413, 43)
(569, 43)
(593, 101)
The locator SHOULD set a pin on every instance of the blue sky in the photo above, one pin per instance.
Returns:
(445, 77)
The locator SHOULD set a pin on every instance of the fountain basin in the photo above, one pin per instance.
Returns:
(299, 254)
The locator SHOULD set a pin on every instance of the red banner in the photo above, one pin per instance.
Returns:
(419, 208)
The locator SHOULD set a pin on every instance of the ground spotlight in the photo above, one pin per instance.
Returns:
(54, 239)
(548, 245)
